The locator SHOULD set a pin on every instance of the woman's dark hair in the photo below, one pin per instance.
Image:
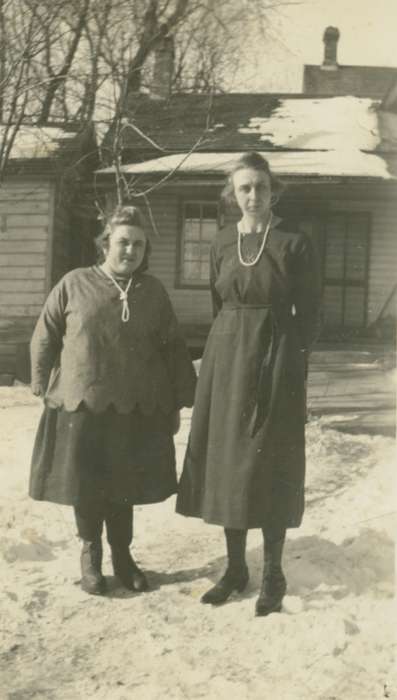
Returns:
(255, 161)
(123, 216)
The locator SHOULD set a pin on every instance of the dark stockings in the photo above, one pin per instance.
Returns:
(273, 539)
(236, 541)
(118, 520)
(236, 576)
(274, 585)
(117, 517)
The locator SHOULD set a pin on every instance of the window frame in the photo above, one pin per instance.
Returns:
(180, 281)
(321, 216)
(344, 283)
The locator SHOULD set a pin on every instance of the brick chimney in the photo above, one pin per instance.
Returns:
(163, 69)
(330, 39)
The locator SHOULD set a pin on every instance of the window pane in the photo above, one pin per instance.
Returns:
(192, 229)
(205, 271)
(209, 229)
(205, 251)
(334, 254)
(333, 306)
(191, 270)
(192, 251)
(200, 227)
(354, 306)
(356, 255)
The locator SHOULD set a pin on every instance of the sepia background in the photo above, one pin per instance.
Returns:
(73, 140)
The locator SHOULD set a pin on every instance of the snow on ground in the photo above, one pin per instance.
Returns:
(333, 640)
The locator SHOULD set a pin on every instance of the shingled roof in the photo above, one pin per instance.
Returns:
(178, 123)
(240, 122)
(301, 135)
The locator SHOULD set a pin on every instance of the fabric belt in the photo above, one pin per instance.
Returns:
(227, 306)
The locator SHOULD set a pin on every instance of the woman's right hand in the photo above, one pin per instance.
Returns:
(38, 390)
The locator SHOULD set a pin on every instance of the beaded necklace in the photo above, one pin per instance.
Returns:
(253, 259)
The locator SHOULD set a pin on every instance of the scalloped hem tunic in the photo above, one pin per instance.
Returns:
(111, 389)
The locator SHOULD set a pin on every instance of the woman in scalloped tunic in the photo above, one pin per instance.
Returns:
(110, 363)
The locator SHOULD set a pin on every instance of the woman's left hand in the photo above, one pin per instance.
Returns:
(175, 422)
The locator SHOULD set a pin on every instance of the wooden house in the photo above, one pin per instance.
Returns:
(341, 188)
(41, 230)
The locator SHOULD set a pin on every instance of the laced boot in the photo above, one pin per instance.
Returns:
(92, 580)
(274, 585)
(127, 570)
(236, 575)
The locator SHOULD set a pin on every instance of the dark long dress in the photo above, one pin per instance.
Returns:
(245, 461)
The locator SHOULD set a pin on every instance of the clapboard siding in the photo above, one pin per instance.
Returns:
(27, 246)
(25, 222)
(34, 220)
(22, 272)
(21, 260)
(31, 310)
(22, 285)
(38, 233)
(17, 207)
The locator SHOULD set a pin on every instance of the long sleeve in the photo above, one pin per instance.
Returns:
(177, 358)
(306, 293)
(46, 342)
(216, 299)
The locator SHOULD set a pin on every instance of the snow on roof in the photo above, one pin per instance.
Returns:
(352, 163)
(332, 124)
(37, 142)
(325, 137)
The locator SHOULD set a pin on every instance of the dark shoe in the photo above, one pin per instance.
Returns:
(92, 580)
(231, 581)
(126, 569)
(273, 590)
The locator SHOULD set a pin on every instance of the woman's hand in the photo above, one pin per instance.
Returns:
(175, 422)
(38, 390)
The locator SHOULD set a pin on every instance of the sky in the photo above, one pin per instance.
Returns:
(368, 37)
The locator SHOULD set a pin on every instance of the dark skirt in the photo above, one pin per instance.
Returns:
(232, 476)
(80, 457)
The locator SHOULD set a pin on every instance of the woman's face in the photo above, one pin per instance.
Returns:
(125, 250)
(252, 190)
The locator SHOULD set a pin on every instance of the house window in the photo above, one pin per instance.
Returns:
(346, 270)
(199, 226)
(343, 241)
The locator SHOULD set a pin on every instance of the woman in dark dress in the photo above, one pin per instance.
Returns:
(113, 370)
(245, 462)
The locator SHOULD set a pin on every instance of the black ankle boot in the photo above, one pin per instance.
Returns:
(232, 580)
(126, 569)
(273, 589)
(92, 580)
